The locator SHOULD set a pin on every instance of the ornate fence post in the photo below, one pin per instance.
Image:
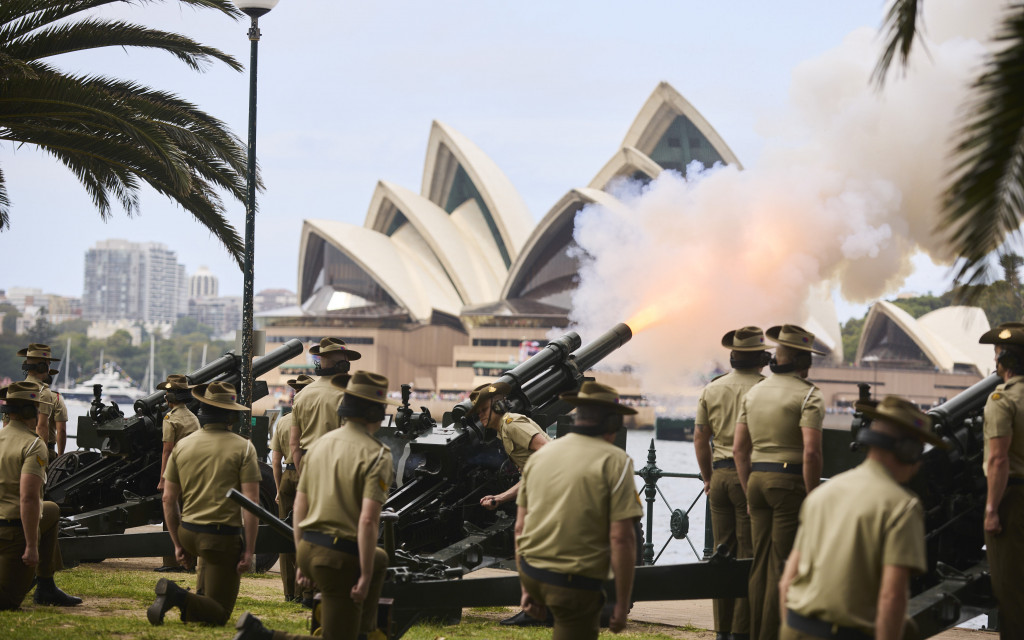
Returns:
(650, 474)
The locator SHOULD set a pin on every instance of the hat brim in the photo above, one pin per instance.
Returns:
(352, 355)
(341, 379)
(992, 337)
(727, 343)
(23, 353)
(167, 386)
(300, 386)
(773, 335)
(500, 389)
(613, 407)
(3, 396)
(925, 436)
(199, 390)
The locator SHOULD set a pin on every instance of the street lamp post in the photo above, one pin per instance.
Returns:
(254, 9)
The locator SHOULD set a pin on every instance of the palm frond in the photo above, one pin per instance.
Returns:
(985, 202)
(900, 27)
(5, 203)
(93, 34)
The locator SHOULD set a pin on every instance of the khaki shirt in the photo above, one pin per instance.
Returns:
(719, 407)
(341, 469)
(59, 414)
(572, 490)
(207, 464)
(46, 406)
(178, 423)
(21, 453)
(516, 432)
(316, 410)
(850, 528)
(279, 442)
(1004, 416)
(775, 411)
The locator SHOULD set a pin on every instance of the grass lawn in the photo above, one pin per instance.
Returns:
(117, 592)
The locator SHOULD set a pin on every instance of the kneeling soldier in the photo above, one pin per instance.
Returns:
(201, 470)
(345, 481)
(28, 526)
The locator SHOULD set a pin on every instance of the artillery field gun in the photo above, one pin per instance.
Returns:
(111, 485)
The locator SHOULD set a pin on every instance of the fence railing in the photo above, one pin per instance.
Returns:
(679, 519)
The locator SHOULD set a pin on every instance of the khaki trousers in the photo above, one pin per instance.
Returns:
(774, 500)
(577, 612)
(15, 575)
(731, 526)
(217, 578)
(286, 501)
(335, 573)
(1006, 563)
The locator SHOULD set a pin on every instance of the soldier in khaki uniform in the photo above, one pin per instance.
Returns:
(577, 510)
(287, 482)
(36, 367)
(717, 411)
(337, 510)
(316, 412)
(861, 536)
(201, 470)
(57, 425)
(28, 525)
(777, 448)
(178, 423)
(519, 435)
(1004, 470)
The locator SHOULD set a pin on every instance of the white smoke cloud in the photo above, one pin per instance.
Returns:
(846, 191)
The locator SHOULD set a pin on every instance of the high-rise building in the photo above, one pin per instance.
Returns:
(202, 284)
(133, 281)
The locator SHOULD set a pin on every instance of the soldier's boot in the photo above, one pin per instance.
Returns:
(168, 596)
(250, 628)
(49, 594)
(523, 619)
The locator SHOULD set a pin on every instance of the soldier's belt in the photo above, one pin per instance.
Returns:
(557, 579)
(4, 522)
(822, 629)
(217, 529)
(778, 467)
(331, 542)
(728, 463)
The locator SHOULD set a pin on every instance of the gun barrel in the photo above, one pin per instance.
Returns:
(279, 526)
(952, 412)
(151, 403)
(272, 360)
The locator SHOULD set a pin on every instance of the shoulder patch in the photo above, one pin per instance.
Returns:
(997, 395)
(383, 485)
(508, 420)
(42, 463)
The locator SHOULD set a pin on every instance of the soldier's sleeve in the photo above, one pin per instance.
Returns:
(812, 412)
(60, 413)
(625, 501)
(742, 417)
(47, 396)
(250, 471)
(702, 410)
(171, 472)
(378, 479)
(168, 429)
(34, 459)
(275, 442)
(904, 537)
(522, 430)
(999, 413)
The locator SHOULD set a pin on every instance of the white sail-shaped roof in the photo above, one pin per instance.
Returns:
(402, 266)
(627, 163)
(668, 112)
(456, 171)
(475, 268)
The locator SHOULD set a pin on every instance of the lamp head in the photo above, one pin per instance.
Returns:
(255, 8)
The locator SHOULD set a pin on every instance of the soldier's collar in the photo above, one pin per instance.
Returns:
(217, 426)
(1013, 380)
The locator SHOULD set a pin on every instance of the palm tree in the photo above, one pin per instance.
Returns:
(115, 134)
(984, 203)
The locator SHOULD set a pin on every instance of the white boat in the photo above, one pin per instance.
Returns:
(115, 388)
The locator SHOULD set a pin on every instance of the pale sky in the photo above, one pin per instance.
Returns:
(347, 94)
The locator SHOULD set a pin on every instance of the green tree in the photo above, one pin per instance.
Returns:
(1011, 263)
(11, 315)
(851, 332)
(116, 135)
(984, 204)
(42, 331)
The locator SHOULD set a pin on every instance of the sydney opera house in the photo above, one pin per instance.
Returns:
(447, 287)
